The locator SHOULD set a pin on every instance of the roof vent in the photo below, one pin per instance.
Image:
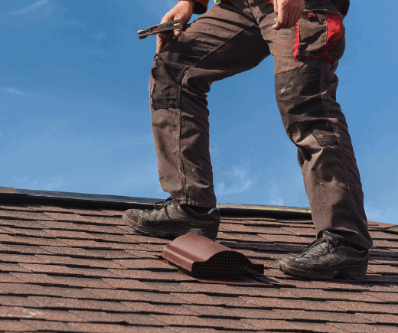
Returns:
(201, 257)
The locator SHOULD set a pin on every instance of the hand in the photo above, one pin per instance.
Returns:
(183, 10)
(289, 12)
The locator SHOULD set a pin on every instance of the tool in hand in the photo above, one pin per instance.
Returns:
(162, 28)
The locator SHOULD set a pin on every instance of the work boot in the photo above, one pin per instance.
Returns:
(170, 220)
(326, 258)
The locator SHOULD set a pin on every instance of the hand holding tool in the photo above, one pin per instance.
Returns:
(162, 28)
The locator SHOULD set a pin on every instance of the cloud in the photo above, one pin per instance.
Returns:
(158, 8)
(55, 183)
(41, 11)
(274, 195)
(14, 91)
(31, 8)
(239, 180)
(373, 214)
(100, 36)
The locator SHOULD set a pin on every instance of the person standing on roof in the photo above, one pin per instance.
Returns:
(306, 40)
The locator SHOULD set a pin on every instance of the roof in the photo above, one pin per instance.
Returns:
(70, 264)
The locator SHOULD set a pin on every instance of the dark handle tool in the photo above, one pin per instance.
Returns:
(162, 28)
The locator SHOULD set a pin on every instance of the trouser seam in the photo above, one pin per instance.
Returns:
(184, 192)
(337, 137)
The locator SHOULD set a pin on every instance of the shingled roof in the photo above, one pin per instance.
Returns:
(68, 263)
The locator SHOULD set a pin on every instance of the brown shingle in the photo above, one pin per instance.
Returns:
(24, 215)
(54, 315)
(20, 289)
(54, 326)
(228, 312)
(71, 303)
(177, 320)
(142, 264)
(16, 207)
(65, 217)
(363, 328)
(23, 223)
(82, 269)
(144, 307)
(277, 303)
(111, 221)
(6, 257)
(15, 312)
(283, 325)
(57, 291)
(107, 263)
(7, 300)
(20, 240)
(8, 278)
(106, 328)
(185, 329)
(362, 307)
(69, 234)
(11, 267)
(166, 275)
(127, 284)
(86, 282)
(14, 326)
(27, 232)
(324, 316)
(198, 299)
(53, 269)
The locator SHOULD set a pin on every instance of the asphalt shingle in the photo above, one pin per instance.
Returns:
(72, 267)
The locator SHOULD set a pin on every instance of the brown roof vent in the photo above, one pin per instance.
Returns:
(201, 257)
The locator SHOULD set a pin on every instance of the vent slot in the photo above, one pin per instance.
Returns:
(226, 262)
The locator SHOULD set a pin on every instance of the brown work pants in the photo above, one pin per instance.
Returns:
(236, 36)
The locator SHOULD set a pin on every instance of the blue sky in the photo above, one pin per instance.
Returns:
(74, 108)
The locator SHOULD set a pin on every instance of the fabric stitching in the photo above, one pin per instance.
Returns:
(184, 184)
(335, 133)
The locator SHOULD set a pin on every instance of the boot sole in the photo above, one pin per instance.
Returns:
(355, 272)
(174, 229)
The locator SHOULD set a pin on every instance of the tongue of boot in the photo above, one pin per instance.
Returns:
(340, 239)
(196, 209)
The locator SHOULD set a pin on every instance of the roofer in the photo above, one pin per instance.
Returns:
(306, 40)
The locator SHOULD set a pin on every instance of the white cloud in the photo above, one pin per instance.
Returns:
(52, 184)
(239, 180)
(274, 195)
(39, 12)
(100, 36)
(31, 8)
(373, 214)
(158, 8)
(14, 91)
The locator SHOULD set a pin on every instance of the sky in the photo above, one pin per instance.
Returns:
(74, 107)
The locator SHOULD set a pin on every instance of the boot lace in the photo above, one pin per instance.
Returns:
(315, 249)
(161, 204)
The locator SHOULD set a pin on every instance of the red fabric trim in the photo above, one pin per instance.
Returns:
(296, 41)
(203, 2)
(322, 56)
(310, 15)
(269, 1)
(335, 30)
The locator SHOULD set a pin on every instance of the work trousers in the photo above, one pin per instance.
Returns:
(234, 37)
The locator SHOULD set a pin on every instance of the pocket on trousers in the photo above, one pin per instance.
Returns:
(319, 34)
(165, 88)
